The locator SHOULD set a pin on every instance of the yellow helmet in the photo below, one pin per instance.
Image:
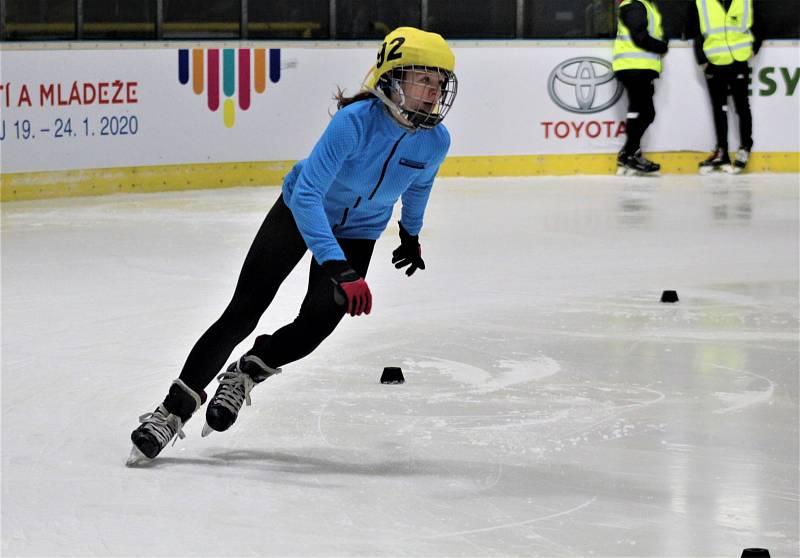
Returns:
(412, 64)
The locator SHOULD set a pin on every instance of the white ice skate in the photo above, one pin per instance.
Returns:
(740, 162)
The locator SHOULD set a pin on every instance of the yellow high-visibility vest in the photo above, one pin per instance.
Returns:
(727, 35)
(628, 56)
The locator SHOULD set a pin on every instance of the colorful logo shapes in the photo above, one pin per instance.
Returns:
(213, 76)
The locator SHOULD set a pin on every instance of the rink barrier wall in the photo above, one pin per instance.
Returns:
(163, 178)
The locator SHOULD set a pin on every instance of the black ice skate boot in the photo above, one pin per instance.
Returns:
(235, 385)
(165, 423)
(718, 160)
(636, 164)
(740, 161)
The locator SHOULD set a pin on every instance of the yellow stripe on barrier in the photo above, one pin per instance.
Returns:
(679, 162)
(91, 182)
(94, 182)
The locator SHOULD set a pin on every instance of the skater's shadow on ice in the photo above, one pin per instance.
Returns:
(326, 462)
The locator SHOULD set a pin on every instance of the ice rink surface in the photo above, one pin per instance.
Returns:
(552, 405)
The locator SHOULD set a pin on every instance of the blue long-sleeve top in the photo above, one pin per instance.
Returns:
(363, 163)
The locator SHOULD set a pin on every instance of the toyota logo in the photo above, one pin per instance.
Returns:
(584, 85)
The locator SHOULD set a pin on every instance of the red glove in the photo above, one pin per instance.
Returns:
(351, 289)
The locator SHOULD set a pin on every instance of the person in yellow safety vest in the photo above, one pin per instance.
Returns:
(638, 50)
(726, 35)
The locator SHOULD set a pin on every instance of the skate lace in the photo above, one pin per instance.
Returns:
(234, 389)
(163, 425)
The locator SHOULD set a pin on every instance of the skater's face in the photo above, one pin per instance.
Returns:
(422, 90)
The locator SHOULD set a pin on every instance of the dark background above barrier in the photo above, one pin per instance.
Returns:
(343, 19)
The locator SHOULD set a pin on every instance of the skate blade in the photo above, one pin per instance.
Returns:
(634, 172)
(206, 430)
(730, 169)
(137, 458)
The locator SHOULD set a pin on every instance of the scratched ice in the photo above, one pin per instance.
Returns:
(553, 406)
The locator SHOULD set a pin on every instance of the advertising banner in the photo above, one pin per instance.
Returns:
(63, 109)
(565, 100)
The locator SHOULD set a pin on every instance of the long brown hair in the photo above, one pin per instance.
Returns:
(342, 100)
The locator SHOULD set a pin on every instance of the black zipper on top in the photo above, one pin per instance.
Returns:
(375, 189)
(346, 211)
(385, 165)
(344, 219)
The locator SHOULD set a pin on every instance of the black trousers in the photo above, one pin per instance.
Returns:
(641, 111)
(276, 250)
(730, 80)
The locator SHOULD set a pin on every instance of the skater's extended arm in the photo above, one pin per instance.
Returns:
(415, 200)
(634, 16)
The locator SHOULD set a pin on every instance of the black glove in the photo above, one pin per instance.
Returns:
(409, 252)
(351, 289)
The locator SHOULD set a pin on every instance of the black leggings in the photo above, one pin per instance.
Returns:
(641, 112)
(276, 250)
(730, 80)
